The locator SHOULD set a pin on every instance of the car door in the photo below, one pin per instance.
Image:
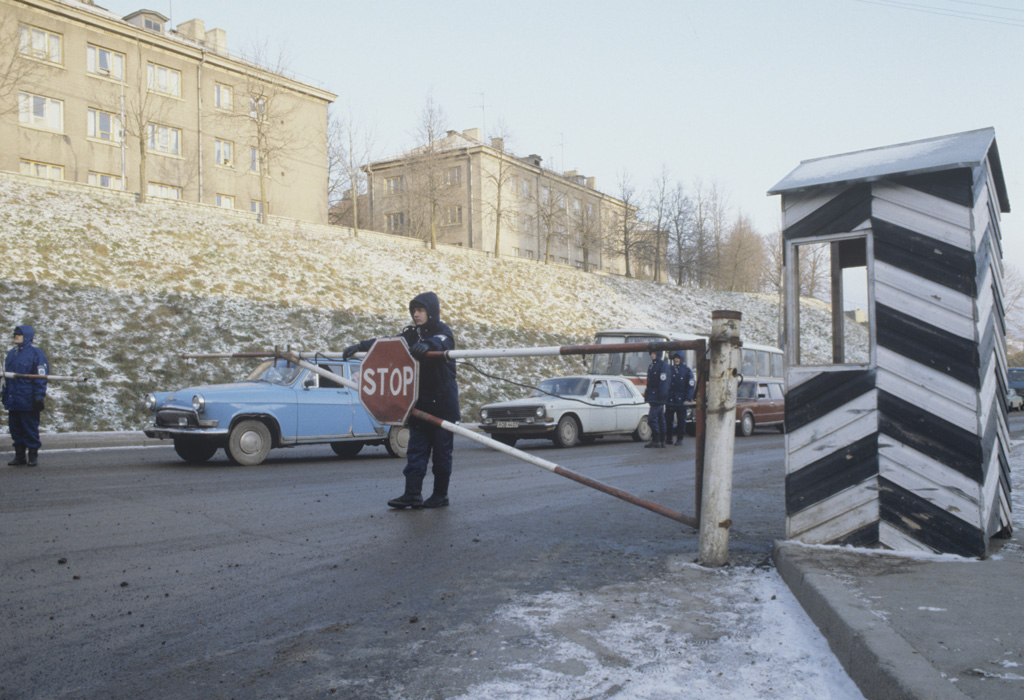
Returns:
(600, 416)
(324, 407)
(629, 408)
(777, 401)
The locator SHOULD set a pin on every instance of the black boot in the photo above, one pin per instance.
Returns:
(679, 441)
(440, 496)
(413, 496)
(19, 456)
(33, 454)
(668, 440)
(655, 440)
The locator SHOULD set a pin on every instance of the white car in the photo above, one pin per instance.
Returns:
(570, 410)
(1014, 401)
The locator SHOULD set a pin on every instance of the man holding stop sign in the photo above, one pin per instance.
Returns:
(438, 396)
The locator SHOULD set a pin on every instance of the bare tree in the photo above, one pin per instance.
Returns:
(349, 148)
(587, 231)
(16, 67)
(743, 259)
(1013, 300)
(271, 115)
(658, 207)
(499, 179)
(772, 244)
(428, 189)
(681, 225)
(626, 241)
(552, 219)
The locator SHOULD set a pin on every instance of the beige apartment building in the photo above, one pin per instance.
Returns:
(461, 191)
(129, 103)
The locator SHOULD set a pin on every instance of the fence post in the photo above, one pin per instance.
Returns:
(716, 500)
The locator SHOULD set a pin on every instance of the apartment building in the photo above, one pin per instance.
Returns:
(461, 191)
(129, 103)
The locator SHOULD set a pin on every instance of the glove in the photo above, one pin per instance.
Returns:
(38, 404)
(348, 352)
(419, 350)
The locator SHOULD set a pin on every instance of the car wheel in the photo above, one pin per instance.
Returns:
(347, 449)
(397, 443)
(567, 433)
(194, 451)
(643, 431)
(249, 442)
(746, 427)
(509, 440)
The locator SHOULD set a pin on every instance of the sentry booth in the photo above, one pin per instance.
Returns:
(896, 430)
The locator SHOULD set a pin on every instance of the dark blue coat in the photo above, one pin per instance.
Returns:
(682, 382)
(20, 394)
(438, 390)
(658, 378)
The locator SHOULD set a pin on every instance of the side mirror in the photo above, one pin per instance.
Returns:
(308, 383)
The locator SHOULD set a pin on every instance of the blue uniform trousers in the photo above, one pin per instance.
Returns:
(656, 419)
(424, 440)
(675, 415)
(24, 428)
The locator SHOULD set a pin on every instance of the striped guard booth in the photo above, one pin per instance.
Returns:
(897, 433)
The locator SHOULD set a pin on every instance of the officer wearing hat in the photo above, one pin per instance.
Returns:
(24, 398)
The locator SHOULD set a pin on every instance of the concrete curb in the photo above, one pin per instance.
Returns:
(86, 440)
(882, 664)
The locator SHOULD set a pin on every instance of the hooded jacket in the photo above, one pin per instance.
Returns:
(20, 394)
(657, 382)
(682, 382)
(438, 390)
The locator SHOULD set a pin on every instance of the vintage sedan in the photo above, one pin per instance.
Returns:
(278, 405)
(1014, 401)
(760, 404)
(569, 410)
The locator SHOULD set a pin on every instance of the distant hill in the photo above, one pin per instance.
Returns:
(117, 290)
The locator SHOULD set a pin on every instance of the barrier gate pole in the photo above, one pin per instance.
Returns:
(721, 436)
(519, 454)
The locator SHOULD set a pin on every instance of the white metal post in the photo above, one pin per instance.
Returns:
(716, 502)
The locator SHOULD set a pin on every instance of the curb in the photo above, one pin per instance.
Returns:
(882, 664)
(87, 440)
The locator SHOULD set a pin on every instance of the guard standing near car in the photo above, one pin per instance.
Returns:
(656, 394)
(24, 398)
(680, 390)
(438, 396)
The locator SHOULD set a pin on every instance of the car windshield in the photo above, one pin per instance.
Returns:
(1016, 374)
(275, 372)
(566, 386)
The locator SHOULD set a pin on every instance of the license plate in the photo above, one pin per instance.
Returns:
(506, 424)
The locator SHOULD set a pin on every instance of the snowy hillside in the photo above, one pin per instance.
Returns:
(116, 291)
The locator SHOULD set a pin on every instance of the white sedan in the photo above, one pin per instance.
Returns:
(569, 410)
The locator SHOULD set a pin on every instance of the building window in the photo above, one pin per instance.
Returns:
(153, 25)
(163, 79)
(545, 195)
(452, 176)
(527, 224)
(515, 251)
(39, 43)
(254, 161)
(560, 201)
(225, 201)
(452, 215)
(393, 185)
(257, 107)
(224, 152)
(513, 220)
(223, 96)
(395, 223)
(256, 207)
(104, 62)
(155, 189)
(164, 139)
(41, 112)
(43, 170)
(104, 125)
(111, 182)
(514, 184)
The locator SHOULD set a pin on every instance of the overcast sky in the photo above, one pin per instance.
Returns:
(735, 92)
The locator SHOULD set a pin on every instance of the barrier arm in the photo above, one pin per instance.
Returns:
(518, 454)
(48, 377)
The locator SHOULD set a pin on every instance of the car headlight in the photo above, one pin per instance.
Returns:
(540, 411)
(483, 414)
(150, 402)
(198, 403)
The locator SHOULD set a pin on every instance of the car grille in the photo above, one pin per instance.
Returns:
(176, 418)
(512, 412)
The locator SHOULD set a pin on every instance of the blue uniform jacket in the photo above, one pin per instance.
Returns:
(656, 392)
(682, 383)
(438, 390)
(20, 394)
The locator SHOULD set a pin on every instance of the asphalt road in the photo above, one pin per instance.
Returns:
(126, 573)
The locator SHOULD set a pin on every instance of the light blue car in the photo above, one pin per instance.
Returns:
(278, 405)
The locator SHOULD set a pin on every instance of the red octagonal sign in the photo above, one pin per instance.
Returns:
(389, 381)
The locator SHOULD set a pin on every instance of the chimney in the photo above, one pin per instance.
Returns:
(193, 29)
(533, 159)
(498, 144)
(472, 134)
(570, 174)
(217, 40)
(592, 183)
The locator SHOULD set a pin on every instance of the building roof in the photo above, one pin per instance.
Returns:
(968, 149)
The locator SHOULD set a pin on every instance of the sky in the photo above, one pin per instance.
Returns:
(732, 93)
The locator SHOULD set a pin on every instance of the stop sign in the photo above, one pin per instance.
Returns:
(389, 381)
